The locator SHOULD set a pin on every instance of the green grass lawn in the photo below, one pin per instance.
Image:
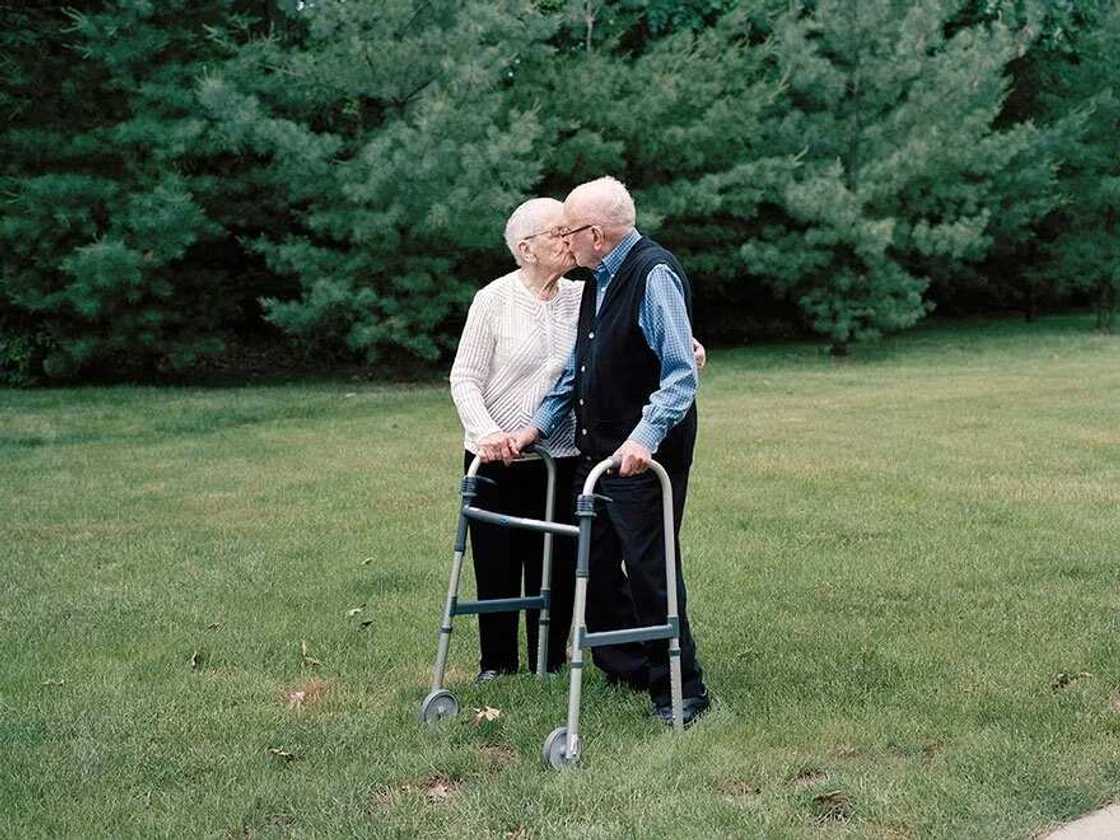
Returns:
(890, 560)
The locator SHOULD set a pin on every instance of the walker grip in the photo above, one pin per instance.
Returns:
(470, 484)
(585, 504)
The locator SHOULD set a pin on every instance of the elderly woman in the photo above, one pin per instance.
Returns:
(520, 331)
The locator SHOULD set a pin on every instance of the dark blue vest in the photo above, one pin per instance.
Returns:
(616, 372)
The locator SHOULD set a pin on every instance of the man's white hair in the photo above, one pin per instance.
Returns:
(532, 216)
(607, 200)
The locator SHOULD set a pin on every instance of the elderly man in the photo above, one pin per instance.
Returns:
(632, 382)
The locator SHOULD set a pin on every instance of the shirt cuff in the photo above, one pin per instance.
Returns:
(645, 434)
(543, 423)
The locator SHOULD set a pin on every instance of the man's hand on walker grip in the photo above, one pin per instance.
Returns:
(634, 458)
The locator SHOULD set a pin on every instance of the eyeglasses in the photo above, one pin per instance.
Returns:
(573, 231)
(549, 232)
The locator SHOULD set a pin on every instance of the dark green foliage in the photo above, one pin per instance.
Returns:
(114, 195)
(690, 145)
(337, 174)
(1082, 250)
(387, 142)
(901, 178)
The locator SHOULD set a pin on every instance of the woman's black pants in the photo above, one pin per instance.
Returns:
(503, 555)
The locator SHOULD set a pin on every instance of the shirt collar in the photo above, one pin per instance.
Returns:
(608, 268)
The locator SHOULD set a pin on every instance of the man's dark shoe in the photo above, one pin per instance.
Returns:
(486, 676)
(692, 708)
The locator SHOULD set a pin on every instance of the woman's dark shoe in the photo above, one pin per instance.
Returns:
(692, 708)
(486, 676)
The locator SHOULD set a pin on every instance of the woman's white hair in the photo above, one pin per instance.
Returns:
(607, 200)
(532, 216)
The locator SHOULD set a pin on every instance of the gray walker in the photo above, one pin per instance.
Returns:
(563, 746)
(441, 703)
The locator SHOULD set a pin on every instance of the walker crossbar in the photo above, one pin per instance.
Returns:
(496, 605)
(520, 522)
(619, 637)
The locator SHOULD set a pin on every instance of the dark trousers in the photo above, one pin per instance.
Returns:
(628, 534)
(503, 555)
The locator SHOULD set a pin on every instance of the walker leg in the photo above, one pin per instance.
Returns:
(675, 687)
(439, 703)
(444, 642)
(562, 747)
(673, 617)
(544, 622)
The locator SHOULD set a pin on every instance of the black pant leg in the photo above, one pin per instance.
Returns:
(530, 482)
(636, 517)
(609, 602)
(497, 573)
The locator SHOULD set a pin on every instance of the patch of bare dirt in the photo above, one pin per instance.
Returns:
(306, 694)
(808, 776)
(437, 789)
(832, 806)
(738, 791)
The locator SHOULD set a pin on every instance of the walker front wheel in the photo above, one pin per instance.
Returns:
(554, 753)
(437, 706)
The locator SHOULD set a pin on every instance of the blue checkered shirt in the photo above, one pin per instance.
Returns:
(663, 319)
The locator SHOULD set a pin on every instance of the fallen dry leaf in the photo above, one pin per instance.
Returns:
(281, 753)
(54, 682)
(519, 833)
(196, 659)
(355, 610)
(367, 561)
(366, 623)
(295, 699)
(486, 713)
(215, 625)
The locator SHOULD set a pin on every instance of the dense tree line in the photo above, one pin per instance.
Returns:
(333, 175)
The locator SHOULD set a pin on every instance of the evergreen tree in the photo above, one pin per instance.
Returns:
(676, 116)
(1082, 85)
(116, 201)
(387, 136)
(901, 174)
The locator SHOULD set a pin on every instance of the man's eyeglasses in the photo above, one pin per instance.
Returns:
(565, 233)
